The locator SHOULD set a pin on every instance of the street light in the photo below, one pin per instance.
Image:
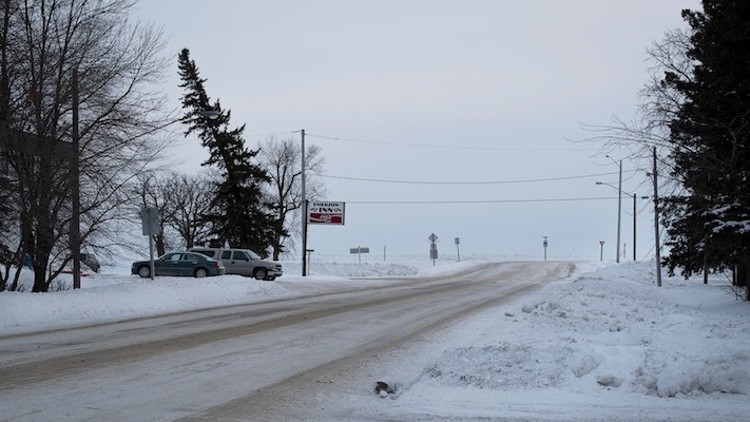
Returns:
(619, 204)
(635, 211)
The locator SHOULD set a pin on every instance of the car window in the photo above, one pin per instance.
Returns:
(189, 257)
(239, 256)
(226, 255)
(172, 257)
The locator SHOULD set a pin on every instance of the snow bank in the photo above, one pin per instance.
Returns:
(613, 329)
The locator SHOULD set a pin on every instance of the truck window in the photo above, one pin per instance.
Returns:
(239, 256)
(208, 253)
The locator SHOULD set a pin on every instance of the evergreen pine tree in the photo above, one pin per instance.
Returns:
(710, 226)
(239, 217)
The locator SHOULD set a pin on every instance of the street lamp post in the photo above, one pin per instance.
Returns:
(619, 204)
(635, 212)
(657, 250)
(634, 232)
(619, 207)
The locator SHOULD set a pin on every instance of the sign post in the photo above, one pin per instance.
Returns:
(318, 212)
(150, 227)
(433, 248)
(601, 250)
(458, 252)
(359, 251)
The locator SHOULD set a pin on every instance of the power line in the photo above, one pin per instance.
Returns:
(481, 201)
(487, 182)
(454, 147)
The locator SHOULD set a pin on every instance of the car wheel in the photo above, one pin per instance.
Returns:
(260, 274)
(200, 273)
(144, 272)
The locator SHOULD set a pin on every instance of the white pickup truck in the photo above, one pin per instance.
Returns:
(243, 262)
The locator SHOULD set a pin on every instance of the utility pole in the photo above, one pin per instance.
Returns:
(75, 221)
(656, 225)
(634, 214)
(304, 209)
(619, 210)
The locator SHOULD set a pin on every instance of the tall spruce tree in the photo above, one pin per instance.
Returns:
(239, 215)
(709, 227)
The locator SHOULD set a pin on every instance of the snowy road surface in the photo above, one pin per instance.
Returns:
(264, 361)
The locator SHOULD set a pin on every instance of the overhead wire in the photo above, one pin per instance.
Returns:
(452, 147)
(481, 182)
(481, 201)
(485, 182)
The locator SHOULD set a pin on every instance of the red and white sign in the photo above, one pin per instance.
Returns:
(322, 212)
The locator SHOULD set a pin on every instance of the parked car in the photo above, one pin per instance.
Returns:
(243, 262)
(180, 264)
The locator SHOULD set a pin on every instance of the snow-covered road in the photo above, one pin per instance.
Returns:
(246, 362)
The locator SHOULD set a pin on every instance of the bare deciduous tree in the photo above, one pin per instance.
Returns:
(153, 191)
(118, 63)
(182, 201)
(282, 159)
(192, 200)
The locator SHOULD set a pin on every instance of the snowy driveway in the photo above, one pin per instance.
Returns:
(242, 362)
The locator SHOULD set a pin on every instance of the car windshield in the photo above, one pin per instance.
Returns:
(253, 255)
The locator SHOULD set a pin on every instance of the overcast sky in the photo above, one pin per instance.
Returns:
(408, 97)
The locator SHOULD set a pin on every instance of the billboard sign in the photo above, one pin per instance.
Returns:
(326, 212)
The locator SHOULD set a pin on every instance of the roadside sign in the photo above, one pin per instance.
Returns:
(359, 251)
(326, 212)
(149, 221)
(433, 238)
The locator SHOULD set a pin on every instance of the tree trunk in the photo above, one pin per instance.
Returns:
(159, 242)
(742, 279)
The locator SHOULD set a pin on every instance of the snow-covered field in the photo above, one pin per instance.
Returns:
(605, 344)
